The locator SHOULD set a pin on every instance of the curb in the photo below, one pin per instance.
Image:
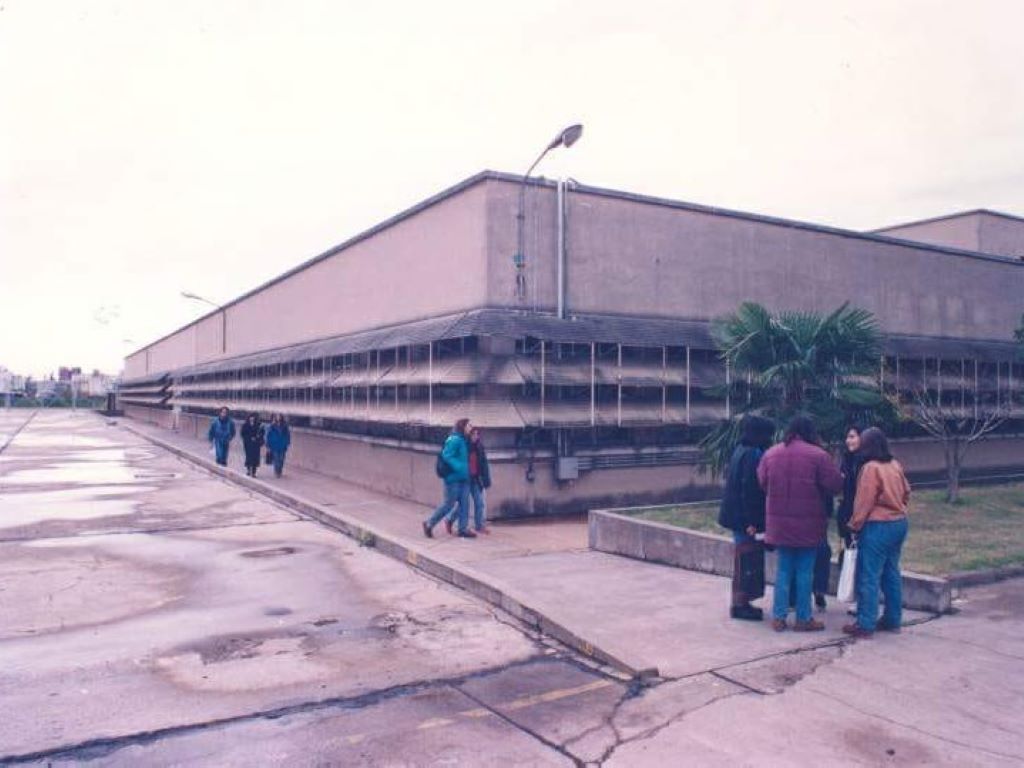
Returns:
(650, 541)
(486, 588)
(962, 579)
(15, 433)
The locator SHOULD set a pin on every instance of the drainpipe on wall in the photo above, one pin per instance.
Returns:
(560, 190)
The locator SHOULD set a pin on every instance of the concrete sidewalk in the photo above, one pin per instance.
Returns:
(642, 619)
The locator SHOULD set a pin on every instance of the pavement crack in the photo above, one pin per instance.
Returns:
(655, 730)
(520, 727)
(102, 747)
(914, 728)
(960, 641)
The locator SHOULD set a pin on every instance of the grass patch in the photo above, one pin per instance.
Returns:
(984, 530)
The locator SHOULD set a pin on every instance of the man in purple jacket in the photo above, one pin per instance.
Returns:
(797, 476)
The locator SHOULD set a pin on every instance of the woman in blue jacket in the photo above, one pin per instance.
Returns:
(279, 437)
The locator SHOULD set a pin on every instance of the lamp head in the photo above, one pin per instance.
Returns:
(567, 137)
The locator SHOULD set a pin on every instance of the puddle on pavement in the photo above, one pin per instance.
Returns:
(17, 509)
(85, 473)
(39, 439)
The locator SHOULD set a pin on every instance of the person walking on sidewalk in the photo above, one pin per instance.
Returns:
(252, 441)
(479, 482)
(453, 467)
(880, 523)
(797, 476)
(220, 434)
(279, 437)
(742, 512)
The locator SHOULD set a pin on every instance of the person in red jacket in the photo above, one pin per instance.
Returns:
(797, 476)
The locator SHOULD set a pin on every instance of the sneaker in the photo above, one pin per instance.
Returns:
(819, 602)
(427, 531)
(486, 530)
(779, 625)
(811, 625)
(448, 526)
(746, 613)
(887, 627)
(855, 630)
(467, 534)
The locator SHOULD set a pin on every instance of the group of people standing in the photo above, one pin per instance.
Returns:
(465, 472)
(782, 497)
(277, 438)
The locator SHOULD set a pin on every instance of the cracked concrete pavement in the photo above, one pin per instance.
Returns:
(153, 614)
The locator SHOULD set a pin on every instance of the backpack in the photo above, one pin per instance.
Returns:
(442, 467)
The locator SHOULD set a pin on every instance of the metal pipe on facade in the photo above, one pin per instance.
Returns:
(593, 384)
(560, 197)
(687, 385)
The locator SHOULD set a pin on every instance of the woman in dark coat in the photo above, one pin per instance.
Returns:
(252, 441)
(742, 509)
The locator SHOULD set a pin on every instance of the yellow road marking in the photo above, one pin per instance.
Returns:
(564, 693)
(514, 705)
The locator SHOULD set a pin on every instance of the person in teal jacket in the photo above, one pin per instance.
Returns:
(279, 437)
(453, 465)
(220, 435)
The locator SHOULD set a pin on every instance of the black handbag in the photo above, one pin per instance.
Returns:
(748, 570)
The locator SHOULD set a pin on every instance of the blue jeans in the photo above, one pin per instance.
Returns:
(221, 452)
(454, 493)
(796, 566)
(878, 564)
(278, 460)
(479, 496)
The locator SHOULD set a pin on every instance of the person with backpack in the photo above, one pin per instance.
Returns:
(479, 482)
(453, 469)
(742, 512)
(279, 437)
(220, 435)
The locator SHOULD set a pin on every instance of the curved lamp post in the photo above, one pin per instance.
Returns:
(566, 138)
(223, 317)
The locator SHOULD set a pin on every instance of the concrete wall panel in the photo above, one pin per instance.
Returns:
(633, 257)
(431, 263)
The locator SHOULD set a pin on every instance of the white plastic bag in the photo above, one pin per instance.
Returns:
(846, 592)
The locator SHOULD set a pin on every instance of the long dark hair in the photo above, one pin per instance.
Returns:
(460, 427)
(874, 446)
(850, 458)
(757, 431)
(801, 426)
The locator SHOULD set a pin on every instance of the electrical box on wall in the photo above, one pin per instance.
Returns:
(567, 468)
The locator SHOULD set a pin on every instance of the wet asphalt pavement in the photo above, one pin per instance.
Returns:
(151, 613)
(154, 614)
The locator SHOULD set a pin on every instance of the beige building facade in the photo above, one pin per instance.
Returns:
(378, 344)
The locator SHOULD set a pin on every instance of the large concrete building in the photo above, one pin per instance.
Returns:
(588, 360)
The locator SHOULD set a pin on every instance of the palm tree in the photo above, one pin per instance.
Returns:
(791, 362)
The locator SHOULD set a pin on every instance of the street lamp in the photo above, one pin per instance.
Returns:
(223, 317)
(566, 138)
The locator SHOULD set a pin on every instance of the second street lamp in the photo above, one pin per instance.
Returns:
(223, 317)
(566, 138)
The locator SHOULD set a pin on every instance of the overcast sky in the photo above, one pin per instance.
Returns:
(152, 147)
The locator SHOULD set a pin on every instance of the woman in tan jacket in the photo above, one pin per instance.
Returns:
(880, 522)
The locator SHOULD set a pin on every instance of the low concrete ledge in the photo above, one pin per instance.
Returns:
(486, 588)
(619, 534)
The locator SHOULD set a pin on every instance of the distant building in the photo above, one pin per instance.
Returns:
(577, 336)
(93, 384)
(67, 374)
(11, 383)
